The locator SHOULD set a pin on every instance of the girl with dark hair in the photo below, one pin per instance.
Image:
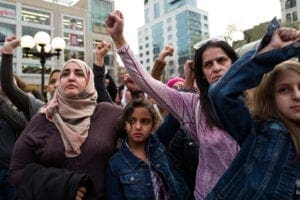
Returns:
(267, 166)
(141, 169)
(217, 148)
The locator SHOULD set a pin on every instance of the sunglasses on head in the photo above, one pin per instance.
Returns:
(213, 39)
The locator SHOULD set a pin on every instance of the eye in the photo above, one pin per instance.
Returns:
(79, 73)
(52, 81)
(65, 73)
(131, 120)
(146, 121)
(222, 60)
(207, 65)
(282, 90)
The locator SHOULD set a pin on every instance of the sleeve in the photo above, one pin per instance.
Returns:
(158, 69)
(244, 74)
(19, 98)
(113, 186)
(14, 118)
(181, 105)
(99, 79)
(111, 88)
(167, 129)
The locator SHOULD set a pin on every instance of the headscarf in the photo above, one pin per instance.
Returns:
(71, 115)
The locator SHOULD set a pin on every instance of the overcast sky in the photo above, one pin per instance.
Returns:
(221, 13)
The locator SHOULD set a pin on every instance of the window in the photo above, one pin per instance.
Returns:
(288, 17)
(31, 68)
(290, 4)
(295, 17)
(147, 53)
(73, 54)
(140, 47)
(72, 39)
(169, 20)
(169, 28)
(156, 11)
(36, 16)
(147, 45)
(73, 23)
(141, 55)
(170, 37)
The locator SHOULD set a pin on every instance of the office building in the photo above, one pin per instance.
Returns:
(171, 22)
(81, 23)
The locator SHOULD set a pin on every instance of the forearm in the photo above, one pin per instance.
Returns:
(179, 104)
(17, 96)
(99, 79)
(158, 69)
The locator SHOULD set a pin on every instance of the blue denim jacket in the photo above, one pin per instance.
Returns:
(265, 167)
(128, 177)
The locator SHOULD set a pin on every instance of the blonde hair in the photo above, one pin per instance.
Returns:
(264, 105)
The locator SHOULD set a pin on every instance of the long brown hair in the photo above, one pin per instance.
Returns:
(264, 105)
(202, 83)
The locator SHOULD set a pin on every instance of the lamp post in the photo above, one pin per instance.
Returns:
(42, 42)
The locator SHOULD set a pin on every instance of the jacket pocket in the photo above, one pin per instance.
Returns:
(131, 184)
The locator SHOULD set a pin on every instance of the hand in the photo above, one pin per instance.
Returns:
(131, 85)
(102, 49)
(167, 51)
(10, 44)
(281, 38)
(80, 193)
(189, 74)
(115, 27)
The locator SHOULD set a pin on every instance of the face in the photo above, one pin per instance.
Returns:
(53, 82)
(73, 80)
(139, 126)
(177, 85)
(215, 64)
(287, 94)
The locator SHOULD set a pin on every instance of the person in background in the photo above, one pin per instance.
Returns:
(267, 166)
(194, 111)
(12, 122)
(141, 169)
(62, 153)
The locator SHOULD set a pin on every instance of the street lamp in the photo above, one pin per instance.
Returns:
(42, 42)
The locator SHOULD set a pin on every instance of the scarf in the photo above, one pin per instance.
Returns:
(72, 115)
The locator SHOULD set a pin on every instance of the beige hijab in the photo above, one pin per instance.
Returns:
(71, 115)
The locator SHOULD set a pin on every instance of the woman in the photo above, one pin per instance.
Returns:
(71, 137)
(212, 60)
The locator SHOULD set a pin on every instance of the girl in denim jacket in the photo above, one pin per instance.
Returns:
(140, 169)
(267, 166)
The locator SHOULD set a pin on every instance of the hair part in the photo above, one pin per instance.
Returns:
(264, 104)
(202, 83)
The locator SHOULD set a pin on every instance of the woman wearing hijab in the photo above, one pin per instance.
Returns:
(63, 151)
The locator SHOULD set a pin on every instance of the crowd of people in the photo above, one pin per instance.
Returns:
(201, 136)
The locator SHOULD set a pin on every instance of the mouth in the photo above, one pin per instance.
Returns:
(138, 135)
(216, 78)
(296, 108)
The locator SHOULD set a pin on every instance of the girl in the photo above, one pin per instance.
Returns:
(267, 166)
(140, 169)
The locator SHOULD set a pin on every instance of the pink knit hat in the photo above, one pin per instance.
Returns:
(174, 80)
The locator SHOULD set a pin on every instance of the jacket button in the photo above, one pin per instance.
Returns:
(132, 178)
(158, 165)
(190, 143)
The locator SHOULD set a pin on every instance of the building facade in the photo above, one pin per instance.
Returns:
(80, 23)
(290, 10)
(171, 22)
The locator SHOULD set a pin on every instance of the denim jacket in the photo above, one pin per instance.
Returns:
(265, 167)
(128, 177)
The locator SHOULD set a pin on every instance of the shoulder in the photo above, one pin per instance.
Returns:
(271, 125)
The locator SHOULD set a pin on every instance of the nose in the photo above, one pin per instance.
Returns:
(55, 84)
(296, 94)
(138, 125)
(216, 67)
